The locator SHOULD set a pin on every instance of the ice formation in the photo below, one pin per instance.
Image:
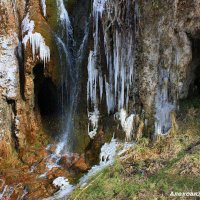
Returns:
(61, 182)
(164, 106)
(44, 8)
(93, 75)
(108, 152)
(120, 62)
(95, 78)
(120, 65)
(93, 118)
(107, 155)
(65, 189)
(37, 42)
(126, 123)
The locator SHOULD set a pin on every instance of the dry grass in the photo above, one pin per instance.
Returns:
(5, 149)
(152, 171)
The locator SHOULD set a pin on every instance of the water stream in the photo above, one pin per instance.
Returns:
(69, 76)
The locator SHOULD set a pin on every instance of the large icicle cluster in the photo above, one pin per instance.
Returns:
(120, 65)
(95, 78)
(36, 40)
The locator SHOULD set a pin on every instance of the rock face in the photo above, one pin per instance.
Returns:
(9, 78)
(166, 59)
(20, 116)
(135, 60)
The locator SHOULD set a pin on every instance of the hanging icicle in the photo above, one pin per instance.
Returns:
(44, 8)
(37, 42)
(120, 59)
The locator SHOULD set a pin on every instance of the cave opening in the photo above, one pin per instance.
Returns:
(46, 100)
(194, 76)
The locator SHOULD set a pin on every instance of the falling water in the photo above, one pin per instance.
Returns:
(64, 40)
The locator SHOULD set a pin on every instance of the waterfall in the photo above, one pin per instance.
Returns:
(69, 76)
(64, 20)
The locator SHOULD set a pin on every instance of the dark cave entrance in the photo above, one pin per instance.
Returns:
(46, 100)
(194, 74)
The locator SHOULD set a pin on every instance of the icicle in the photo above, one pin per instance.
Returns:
(36, 40)
(27, 25)
(98, 8)
(121, 70)
(94, 119)
(126, 123)
(44, 8)
(120, 64)
(92, 79)
(163, 105)
(101, 87)
(109, 97)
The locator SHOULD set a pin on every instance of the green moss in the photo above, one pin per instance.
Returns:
(112, 183)
(52, 14)
(80, 136)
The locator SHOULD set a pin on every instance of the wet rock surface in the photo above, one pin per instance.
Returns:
(33, 179)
